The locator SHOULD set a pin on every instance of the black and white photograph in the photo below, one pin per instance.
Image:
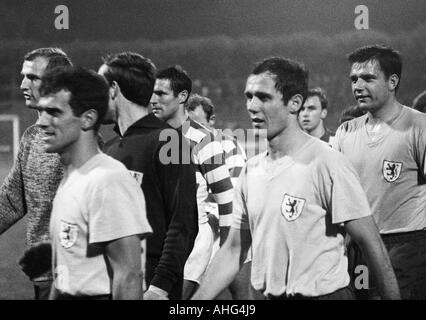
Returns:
(230, 151)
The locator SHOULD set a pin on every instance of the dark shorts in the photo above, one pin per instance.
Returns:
(407, 252)
(345, 293)
(63, 296)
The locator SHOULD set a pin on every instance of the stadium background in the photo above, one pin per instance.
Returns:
(217, 42)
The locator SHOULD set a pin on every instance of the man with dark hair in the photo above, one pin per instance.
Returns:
(292, 202)
(313, 113)
(98, 215)
(172, 90)
(31, 184)
(350, 113)
(387, 147)
(419, 102)
(169, 188)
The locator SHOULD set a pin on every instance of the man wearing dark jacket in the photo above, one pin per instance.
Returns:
(169, 188)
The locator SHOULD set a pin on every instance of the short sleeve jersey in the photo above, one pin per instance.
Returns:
(98, 202)
(294, 208)
(391, 166)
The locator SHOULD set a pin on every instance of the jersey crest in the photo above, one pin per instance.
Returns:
(391, 170)
(67, 234)
(292, 207)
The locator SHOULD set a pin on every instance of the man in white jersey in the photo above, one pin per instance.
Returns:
(293, 202)
(98, 216)
(387, 147)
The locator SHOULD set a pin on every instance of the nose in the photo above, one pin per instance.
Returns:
(358, 85)
(253, 105)
(154, 99)
(43, 119)
(24, 84)
(303, 113)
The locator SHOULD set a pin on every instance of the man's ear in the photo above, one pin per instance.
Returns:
(323, 114)
(393, 82)
(212, 120)
(114, 89)
(295, 103)
(88, 119)
(183, 96)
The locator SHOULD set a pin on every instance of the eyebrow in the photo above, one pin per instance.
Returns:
(259, 94)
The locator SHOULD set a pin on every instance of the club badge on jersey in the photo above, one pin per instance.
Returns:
(292, 207)
(68, 234)
(391, 170)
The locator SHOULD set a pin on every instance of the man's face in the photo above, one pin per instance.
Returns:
(199, 115)
(112, 113)
(61, 127)
(311, 114)
(265, 104)
(163, 102)
(369, 85)
(32, 71)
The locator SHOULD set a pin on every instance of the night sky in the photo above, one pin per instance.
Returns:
(177, 19)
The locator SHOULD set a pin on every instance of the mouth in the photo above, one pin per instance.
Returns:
(362, 98)
(47, 135)
(257, 122)
(27, 96)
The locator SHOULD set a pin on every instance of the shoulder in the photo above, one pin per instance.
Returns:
(32, 133)
(197, 133)
(414, 118)
(352, 125)
(327, 158)
(107, 171)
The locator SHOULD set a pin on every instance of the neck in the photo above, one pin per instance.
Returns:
(179, 118)
(288, 142)
(81, 151)
(318, 131)
(128, 114)
(386, 113)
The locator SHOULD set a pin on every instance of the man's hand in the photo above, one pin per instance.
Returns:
(154, 293)
(37, 260)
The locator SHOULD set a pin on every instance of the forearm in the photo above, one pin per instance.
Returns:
(225, 265)
(364, 231)
(11, 199)
(179, 193)
(178, 244)
(127, 286)
(381, 268)
(222, 271)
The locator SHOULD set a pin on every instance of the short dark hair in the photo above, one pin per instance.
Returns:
(419, 102)
(179, 79)
(196, 100)
(88, 89)
(389, 60)
(291, 77)
(321, 94)
(134, 73)
(350, 113)
(56, 57)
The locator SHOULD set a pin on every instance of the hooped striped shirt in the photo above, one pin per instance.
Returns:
(211, 171)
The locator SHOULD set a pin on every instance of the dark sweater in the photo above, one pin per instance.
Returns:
(170, 193)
